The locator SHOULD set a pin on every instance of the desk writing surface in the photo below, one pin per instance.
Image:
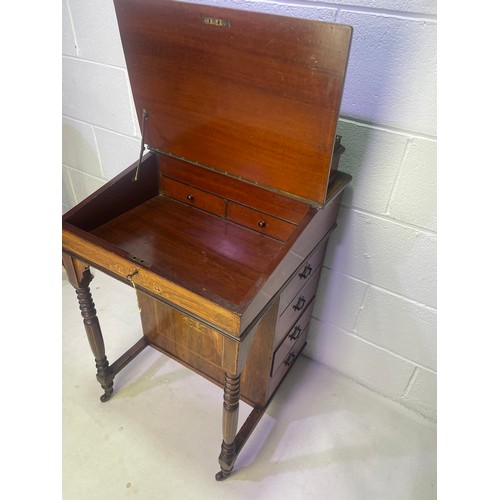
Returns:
(212, 257)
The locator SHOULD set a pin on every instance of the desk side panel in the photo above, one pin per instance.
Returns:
(209, 353)
(116, 197)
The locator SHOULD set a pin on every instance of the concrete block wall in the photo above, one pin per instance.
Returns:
(375, 316)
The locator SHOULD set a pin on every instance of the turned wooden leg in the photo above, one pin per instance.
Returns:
(93, 329)
(228, 455)
(80, 277)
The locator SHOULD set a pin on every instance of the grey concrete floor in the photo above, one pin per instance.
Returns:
(323, 436)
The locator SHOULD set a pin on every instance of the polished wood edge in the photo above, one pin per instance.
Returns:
(151, 282)
(337, 184)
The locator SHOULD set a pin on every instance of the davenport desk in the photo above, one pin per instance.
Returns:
(221, 225)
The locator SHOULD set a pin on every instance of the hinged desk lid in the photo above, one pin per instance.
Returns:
(253, 95)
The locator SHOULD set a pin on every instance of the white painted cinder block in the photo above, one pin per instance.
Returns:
(404, 6)
(302, 10)
(79, 147)
(380, 251)
(422, 394)
(391, 76)
(68, 195)
(83, 184)
(414, 199)
(96, 31)
(97, 94)
(339, 299)
(369, 365)
(399, 325)
(373, 157)
(116, 151)
(285, 7)
(68, 35)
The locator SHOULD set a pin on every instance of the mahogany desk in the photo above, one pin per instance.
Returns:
(222, 225)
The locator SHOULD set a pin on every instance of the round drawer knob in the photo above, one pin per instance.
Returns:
(190, 197)
(262, 223)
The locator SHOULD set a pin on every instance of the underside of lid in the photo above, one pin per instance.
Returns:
(255, 96)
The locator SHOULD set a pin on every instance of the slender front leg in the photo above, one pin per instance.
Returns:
(80, 277)
(93, 329)
(228, 455)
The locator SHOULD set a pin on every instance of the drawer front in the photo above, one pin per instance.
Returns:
(194, 197)
(292, 337)
(259, 221)
(287, 363)
(302, 277)
(297, 306)
(234, 190)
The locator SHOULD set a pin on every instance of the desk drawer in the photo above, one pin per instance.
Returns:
(302, 277)
(287, 363)
(193, 196)
(292, 337)
(297, 306)
(259, 221)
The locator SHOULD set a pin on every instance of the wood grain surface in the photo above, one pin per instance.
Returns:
(254, 95)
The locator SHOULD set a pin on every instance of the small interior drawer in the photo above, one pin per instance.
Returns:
(304, 274)
(259, 221)
(193, 196)
(292, 336)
